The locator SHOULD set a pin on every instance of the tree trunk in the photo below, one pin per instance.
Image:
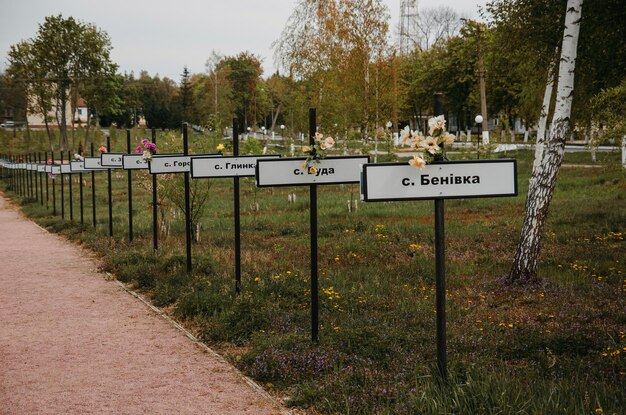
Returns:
(543, 180)
(543, 117)
(275, 117)
(86, 139)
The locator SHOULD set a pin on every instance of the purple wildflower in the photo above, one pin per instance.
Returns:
(139, 149)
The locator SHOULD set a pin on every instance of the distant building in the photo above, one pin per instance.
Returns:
(80, 116)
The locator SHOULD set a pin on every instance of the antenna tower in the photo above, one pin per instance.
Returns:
(408, 38)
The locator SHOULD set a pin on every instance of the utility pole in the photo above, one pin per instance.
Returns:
(483, 93)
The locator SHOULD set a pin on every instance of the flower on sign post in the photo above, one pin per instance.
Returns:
(316, 152)
(146, 149)
(431, 147)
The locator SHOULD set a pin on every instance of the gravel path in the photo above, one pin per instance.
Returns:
(72, 342)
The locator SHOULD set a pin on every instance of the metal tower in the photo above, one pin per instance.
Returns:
(408, 38)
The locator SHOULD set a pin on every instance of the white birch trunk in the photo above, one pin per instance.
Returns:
(543, 117)
(543, 180)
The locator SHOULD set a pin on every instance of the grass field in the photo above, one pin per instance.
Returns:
(557, 347)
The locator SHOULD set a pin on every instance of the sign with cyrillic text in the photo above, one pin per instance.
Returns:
(291, 172)
(445, 180)
(55, 169)
(134, 162)
(93, 163)
(78, 166)
(48, 168)
(111, 160)
(237, 166)
(173, 163)
(41, 168)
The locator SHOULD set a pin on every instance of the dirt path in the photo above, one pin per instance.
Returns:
(73, 343)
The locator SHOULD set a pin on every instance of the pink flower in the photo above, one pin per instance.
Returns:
(144, 142)
(139, 150)
(103, 149)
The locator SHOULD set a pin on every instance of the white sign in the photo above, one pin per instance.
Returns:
(66, 169)
(55, 169)
(290, 172)
(447, 180)
(111, 160)
(48, 168)
(134, 161)
(93, 163)
(41, 168)
(173, 163)
(236, 166)
(77, 166)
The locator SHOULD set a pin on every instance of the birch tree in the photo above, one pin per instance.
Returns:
(543, 116)
(544, 175)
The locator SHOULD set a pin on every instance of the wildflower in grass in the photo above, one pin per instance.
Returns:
(103, 149)
(78, 157)
(139, 149)
(220, 148)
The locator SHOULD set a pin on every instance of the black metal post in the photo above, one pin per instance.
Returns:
(16, 175)
(110, 189)
(54, 194)
(34, 159)
(155, 222)
(30, 178)
(69, 160)
(130, 192)
(47, 181)
(187, 203)
(480, 129)
(40, 181)
(62, 189)
(93, 193)
(80, 187)
(440, 270)
(237, 211)
(313, 217)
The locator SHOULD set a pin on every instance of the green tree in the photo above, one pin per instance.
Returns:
(186, 96)
(243, 72)
(338, 47)
(58, 61)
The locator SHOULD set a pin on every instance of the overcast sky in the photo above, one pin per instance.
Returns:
(162, 36)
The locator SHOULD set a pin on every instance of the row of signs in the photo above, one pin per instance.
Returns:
(379, 182)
